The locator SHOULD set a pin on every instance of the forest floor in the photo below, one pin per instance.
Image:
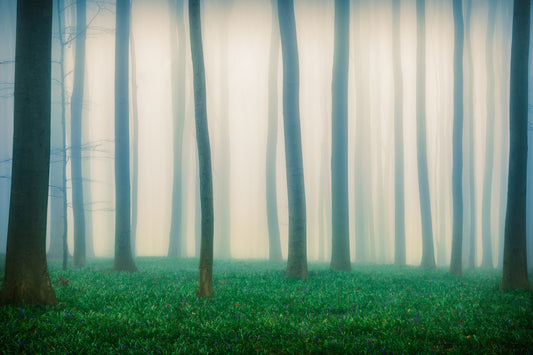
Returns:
(373, 309)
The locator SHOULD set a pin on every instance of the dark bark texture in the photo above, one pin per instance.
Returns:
(514, 253)
(26, 277)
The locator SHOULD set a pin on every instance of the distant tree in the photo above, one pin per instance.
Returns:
(177, 37)
(205, 277)
(58, 200)
(428, 253)
(135, 146)
(514, 254)
(26, 278)
(123, 257)
(399, 199)
(486, 216)
(469, 115)
(76, 109)
(340, 238)
(297, 256)
(457, 168)
(274, 243)
(222, 159)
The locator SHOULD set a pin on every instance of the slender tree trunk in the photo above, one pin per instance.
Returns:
(514, 254)
(529, 198)
(274, 243)
(58, 216)
(76, 110)
(486, 230)
(205, 277)
(469, 115)
(64, 234)
(26, 277)
(135, 147)
(177, 45)
(297, 255)
(123, 259)
(457, 169)
(428, 253)
(88, 211)
(399, 199)
(340, 241)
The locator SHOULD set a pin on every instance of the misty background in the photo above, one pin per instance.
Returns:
(236, 39)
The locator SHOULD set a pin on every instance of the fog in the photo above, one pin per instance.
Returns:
(241, 30)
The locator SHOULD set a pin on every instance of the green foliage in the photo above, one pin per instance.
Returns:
(373, 309)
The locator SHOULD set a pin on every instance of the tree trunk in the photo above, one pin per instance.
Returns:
(123, 258)
(26, 277)
(457, 168)
(134, 148)
(340, 238)
(399, 199)
(205, 277)
(469, 114)
(514, 254)
(76, 109)
(297, 255)
(486, 230)
(177, 37)
(274, 243)
(529, 198)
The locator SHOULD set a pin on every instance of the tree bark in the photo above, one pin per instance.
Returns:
(76, 110)
(514, 254)
(399, 198)
(205, 277)
(274, 243)
(123, 259)
(340, 241)
(428, 253)
(177, 45)
(26, 277)
(486, 230)
(134, 148)
(297, 255)
(457, 168)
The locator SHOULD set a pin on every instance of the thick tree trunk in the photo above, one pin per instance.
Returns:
(26, 277)
(486, 215)
(514, 254)
(399, 199)
(274, 243)
(428, 253)
(177, 45)
(457, 168)
(297, 255)
(205, 277)
(340, 238)
(76, 109)
(123, 258)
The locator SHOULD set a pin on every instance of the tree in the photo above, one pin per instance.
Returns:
(76, 108)
(514, 252)
(399, 199)
(457, 168)
(135, 147)
(340, 241)
(428, 253)
(26, 277)
(274, 243)
(205, 277)
(177, 37)
(297, 255)
(486, 216)
(123, 258)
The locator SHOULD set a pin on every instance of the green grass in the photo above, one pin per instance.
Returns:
(373, 309)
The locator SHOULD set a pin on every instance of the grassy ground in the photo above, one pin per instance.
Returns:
(375, 309)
